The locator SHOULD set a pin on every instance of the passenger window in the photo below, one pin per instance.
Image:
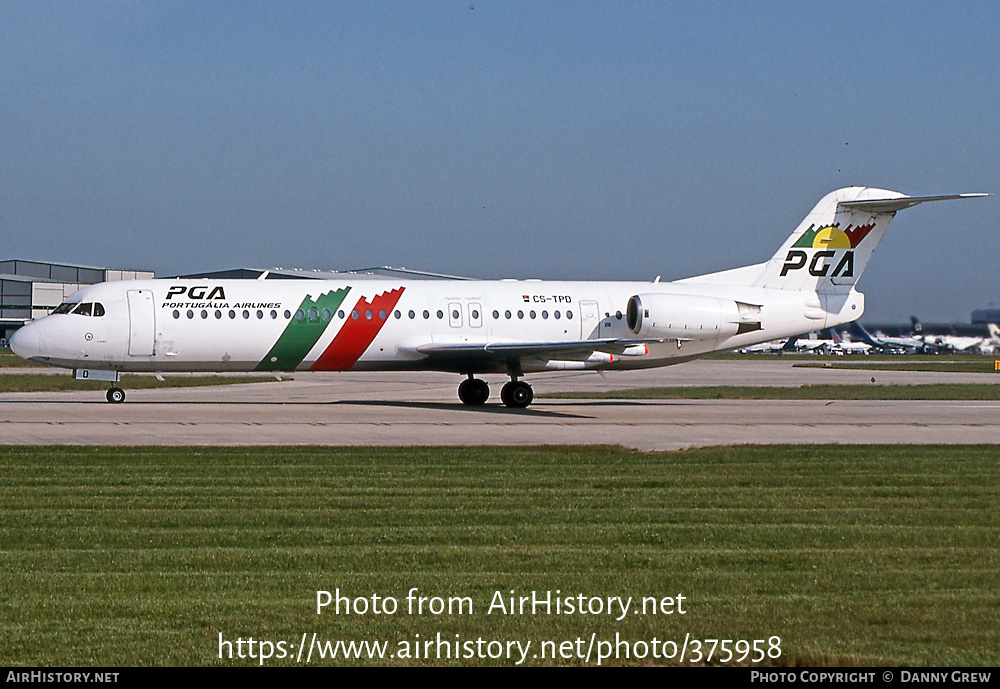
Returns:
(398, 314)
(260, 315)
(382, 314)
(455, 314)
(368, 315)
(246, 314)
(355, 314)
(520, 314)
(313, 315)
(204, 314)
(507, 314)
(427, 314)
(218, 314)
(288, 314)
(340, 314)
(190, 314)
(440, 314)
(545, 315)
(274, 315)
(232, 314)
(177, 314)
(569, 315)
(557, 315)
(327, 315)
(532, 314)
(411, 315)
(496, 315)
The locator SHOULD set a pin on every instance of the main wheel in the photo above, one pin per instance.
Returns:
(474, 392)
(116, 395)
(517, 394)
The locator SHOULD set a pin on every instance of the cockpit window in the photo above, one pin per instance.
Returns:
(89, 308)
(65, 307)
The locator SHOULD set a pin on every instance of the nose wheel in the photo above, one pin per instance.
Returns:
(474, 392)
(116, 395)
(517, 394)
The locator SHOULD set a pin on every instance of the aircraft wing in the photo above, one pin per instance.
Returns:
(523, 350)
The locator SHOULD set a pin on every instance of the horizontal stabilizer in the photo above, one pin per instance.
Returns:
(898, 204)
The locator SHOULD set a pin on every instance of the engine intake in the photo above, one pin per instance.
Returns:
(689, 317)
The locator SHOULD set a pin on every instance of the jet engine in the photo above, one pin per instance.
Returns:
(690, 317)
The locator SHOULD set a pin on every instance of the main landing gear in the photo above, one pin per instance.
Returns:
(516, 394)
(116, 395)
(474, 392)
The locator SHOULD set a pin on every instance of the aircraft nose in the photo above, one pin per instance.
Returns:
(24, 342)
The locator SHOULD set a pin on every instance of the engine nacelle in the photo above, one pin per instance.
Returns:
(690, 317)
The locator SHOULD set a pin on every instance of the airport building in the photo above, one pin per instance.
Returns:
(31, 289)
(982, 316)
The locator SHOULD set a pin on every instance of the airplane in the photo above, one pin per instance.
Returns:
(846, 346)
(890, 345)
(950, 343)
(470, 327)
(770, 347)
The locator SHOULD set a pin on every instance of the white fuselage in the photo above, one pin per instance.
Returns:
(374, 324)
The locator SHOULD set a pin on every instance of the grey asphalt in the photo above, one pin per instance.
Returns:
(422, 409)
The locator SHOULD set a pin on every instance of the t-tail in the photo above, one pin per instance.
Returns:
(830, 248)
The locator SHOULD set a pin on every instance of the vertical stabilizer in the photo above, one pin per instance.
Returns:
(831, 247)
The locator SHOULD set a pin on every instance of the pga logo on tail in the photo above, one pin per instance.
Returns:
(828, 238)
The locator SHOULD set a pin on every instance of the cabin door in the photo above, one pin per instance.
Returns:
(140, 322)
(590, 319)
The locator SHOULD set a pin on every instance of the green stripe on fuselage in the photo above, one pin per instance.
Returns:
(301, 334)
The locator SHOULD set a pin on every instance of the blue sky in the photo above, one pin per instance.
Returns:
(563, 140)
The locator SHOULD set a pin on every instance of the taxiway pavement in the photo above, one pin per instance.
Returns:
(422, 409)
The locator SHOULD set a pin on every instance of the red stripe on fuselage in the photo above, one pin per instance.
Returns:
(356, 334)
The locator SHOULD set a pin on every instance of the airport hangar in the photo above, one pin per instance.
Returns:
(31, 289)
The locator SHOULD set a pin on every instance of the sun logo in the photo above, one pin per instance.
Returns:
(832, 237)
(829, 238)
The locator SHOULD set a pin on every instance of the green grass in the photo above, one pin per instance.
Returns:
(53, 382)
(852, 555)
(939, 364)
(804, 392)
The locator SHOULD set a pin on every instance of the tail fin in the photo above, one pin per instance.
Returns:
(859, 331)
(830, 248)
